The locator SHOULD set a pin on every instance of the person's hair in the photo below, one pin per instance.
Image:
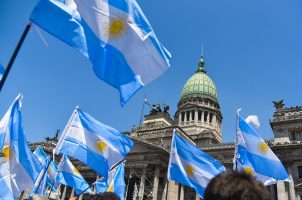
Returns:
(235, 186)
(101, 196)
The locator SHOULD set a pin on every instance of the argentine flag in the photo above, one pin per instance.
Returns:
(51, 171)
(190, 166)
(115, 182)
(114, 34)
(19, 168)
(70, 176)
(253, 156)
(93, 143)
(41, 181)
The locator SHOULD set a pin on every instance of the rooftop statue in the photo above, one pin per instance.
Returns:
(278, 104)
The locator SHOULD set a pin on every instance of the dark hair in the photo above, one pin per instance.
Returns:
(235, 186)
(101, 196)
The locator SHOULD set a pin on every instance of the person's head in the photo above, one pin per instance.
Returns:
(235, 186)
(101, 196)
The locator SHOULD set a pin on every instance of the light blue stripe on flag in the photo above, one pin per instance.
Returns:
(5, 189)
(51, 172)
(190, 166)
(260, 164)
(93, 143)
(115, 182)
(41, 181)
(70, 176)
(115, 36)
(17, 163)
(253, 156)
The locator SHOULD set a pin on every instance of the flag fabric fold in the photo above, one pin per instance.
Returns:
(253, 156)
(52, 169)
(190, 166)
(70, 176)
(115, 182)
(93, 143)
(41, 181)
(115, 35)
(19, 168)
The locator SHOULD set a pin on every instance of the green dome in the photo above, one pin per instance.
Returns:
(200, 85)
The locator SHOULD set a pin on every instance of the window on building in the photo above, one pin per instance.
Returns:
(205, 116)
(183, 116)
(193, 115)
(300, 171)
(295, 135)
(188, 116)
(199, 115)
(211, 118)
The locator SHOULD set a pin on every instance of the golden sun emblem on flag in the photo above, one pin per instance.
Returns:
(49, 170)
(116, 28)
(6, 153)
(248, 170)
(75, 170)
(189, 170)
(110, 188)
(101, 146)
(263, 148)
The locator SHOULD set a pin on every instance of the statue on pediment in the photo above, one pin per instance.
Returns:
(278, 104)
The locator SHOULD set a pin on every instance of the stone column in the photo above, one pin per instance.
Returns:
(196, 117)
(127, 187)
(142, 184)
(292, 195)
(197, 196)
(182, 192)
(171, 190)
(64, 193)
(72, 193)
(164, 195)
(273, 192)
(155, 183)
(281, 194)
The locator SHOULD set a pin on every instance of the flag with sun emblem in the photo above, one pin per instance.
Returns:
(51, 171)
(115, 35)
(70, 176)
(19, 168)
(253, 156)
(93, 143)
(115, 182)
(190, 166)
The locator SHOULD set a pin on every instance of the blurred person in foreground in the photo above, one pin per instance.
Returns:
(101, 196)
(235, 186)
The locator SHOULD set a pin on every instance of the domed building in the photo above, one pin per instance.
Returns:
(198, 119)
(198, 110)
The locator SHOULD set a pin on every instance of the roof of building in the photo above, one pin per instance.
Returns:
(200, 85)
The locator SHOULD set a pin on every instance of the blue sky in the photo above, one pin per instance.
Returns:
(252, 49)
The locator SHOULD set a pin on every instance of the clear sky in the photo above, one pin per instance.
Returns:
(252, 50)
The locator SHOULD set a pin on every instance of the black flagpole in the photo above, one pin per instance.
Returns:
(12, 59)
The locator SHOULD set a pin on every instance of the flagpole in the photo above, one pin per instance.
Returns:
(236, 139)
(16, 51)
(140, 122)
(44, 173)
(56, 174)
